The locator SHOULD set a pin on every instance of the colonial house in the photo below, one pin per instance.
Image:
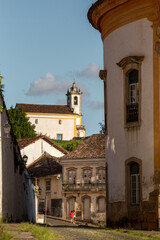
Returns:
(47, 174)
(35, 147)
(62, 122)
(17, 197)
(84, 181)
(130, 31)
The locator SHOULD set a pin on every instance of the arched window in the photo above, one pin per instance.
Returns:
(71, 176)
(134, 183)
(75, 100)
(87, 175)
(101, 175)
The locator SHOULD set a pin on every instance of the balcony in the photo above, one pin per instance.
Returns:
(84, 187)
(132, 112)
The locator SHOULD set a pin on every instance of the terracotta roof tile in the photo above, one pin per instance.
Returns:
(24, 142)
(45, 166)
(40, 108)
(92, 147)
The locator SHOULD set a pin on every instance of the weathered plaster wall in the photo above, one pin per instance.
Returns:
(15, 188)
(134, 39)
(54, 193)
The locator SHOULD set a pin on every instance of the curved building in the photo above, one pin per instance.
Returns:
(130, 31)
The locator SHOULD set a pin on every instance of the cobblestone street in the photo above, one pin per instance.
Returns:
(69, 231)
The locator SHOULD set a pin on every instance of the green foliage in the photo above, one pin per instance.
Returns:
(22, 128)
(4, 235)
(69, 145)
(40, 232)
(102, 127)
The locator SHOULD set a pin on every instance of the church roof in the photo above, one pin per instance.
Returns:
(44, 166)
(24, 142)
(92, 147)
(41, 108)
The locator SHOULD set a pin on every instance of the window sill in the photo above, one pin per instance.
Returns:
(132, 125)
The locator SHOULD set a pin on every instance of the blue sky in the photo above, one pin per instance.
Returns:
(45, 45)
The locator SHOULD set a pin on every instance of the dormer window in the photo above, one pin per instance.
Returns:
(75, 100)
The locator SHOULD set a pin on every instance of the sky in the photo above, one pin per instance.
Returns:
(45, 45)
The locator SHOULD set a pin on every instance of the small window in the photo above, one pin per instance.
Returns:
(101, 204)
(75, 100)
(72, 177)
(132, 107)
(36, 121)
(101, 176)
(59, 136)
(134, 183)
(60, 121)
(87, 175)
(48, 185)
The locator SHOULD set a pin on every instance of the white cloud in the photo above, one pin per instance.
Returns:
(92, 71)
(48, 85)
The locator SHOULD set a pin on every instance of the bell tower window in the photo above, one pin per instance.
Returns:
(75, 100)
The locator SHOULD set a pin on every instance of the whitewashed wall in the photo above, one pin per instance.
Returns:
(134, 39)
(36, 149)
(49, 125)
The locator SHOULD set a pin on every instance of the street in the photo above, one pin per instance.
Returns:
(70, 231)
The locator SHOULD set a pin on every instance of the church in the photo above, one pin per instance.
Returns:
(130, 32)
(61, 122)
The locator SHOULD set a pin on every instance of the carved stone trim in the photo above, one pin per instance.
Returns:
(103, 74)
(131, 59)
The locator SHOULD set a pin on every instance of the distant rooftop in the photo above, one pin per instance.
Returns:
(40, 108)
(24, 142)
(44, 166)
(92, 147)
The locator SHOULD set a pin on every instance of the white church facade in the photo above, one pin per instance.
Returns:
(61, 122)
(130, 31)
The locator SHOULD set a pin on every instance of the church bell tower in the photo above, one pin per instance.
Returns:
(74, 99)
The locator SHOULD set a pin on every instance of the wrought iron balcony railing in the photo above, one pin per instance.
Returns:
(84, 187)
(132, 112)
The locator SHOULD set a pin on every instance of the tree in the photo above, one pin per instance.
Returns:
(22, 128)
(102, 127)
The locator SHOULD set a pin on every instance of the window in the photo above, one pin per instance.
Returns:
(48, 185)
(134, 183)
(71, 176)
(87, 175)
(75, 100)
(132, 106)
(101, 175)
(132, 84)
(101, 204)
(36, 121)
(59, 136)
(60, 121)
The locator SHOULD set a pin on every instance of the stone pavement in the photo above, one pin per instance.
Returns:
(18, 234)
(70, 231)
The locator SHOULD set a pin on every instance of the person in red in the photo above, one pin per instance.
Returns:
(72, 216)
